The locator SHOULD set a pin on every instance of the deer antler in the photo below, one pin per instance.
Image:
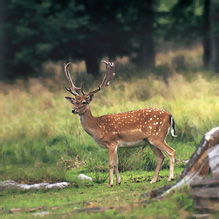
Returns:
(72, 86)
(110, 73)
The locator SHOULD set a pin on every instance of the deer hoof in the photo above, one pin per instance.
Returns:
(118, 184)
(109, 186)
(152, 181)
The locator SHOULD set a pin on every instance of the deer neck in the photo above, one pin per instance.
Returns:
(88, 122)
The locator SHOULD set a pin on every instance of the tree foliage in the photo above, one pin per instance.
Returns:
(36, 31)
(186, 18)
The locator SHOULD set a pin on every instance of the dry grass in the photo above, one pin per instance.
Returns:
(37, 124)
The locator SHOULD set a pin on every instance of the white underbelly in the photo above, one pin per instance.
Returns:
(132, 144)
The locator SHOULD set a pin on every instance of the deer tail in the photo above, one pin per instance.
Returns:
(172, 126)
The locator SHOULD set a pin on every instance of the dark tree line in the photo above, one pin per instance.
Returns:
(186, 25)
(36, 31)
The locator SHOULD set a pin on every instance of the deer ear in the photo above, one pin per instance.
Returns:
(90, 98)
(69, 99)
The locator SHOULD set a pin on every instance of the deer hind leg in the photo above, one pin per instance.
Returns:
(113, 163)
(160, 157)
(162, 145)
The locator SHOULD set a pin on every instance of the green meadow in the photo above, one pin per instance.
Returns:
(42, 141)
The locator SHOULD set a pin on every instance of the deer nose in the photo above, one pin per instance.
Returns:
(73, 111)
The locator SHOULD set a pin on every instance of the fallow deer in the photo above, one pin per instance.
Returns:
(130, 129)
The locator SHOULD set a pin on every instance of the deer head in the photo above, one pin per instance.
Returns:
(82, 101)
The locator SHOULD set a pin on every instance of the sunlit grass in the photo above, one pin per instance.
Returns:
(125, 200)
(76, 192)
(37, 124)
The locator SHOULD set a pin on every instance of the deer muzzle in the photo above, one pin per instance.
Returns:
(73, 111)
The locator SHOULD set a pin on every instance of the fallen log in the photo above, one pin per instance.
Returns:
(198, 165)
(204, 161)
(205, 194)
(10, 184)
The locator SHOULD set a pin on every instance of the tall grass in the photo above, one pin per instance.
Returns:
(37, 124)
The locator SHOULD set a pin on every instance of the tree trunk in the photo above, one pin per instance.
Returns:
(92, 65)
(206, 34)
(146, 56)
(215, 35)
(2, 43)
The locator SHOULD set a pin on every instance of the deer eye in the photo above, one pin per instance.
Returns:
(84, 102)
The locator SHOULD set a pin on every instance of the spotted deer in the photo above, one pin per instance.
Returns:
(123, 130)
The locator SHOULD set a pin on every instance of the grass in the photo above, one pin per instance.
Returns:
(84, 195)
(85, 199)
(37, 124)
(40, 139)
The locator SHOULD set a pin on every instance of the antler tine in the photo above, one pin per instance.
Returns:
(110, 73)
(72, 86)
(82, 90)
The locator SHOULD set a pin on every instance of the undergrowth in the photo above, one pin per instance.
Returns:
(37, 125)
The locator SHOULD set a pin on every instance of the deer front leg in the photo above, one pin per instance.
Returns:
(112, 164)
(118, 181)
